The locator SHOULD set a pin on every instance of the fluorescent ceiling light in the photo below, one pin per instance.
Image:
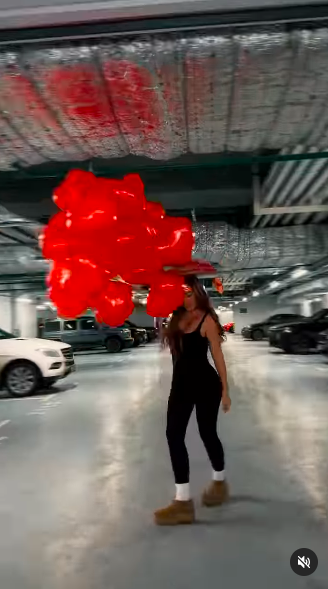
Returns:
(299, 272)
(245, 299)
(274, 284)
(23, 300)
(40, 307)
(256, 293)
(231, 305)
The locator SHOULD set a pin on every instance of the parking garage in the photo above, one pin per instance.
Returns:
(227, 127)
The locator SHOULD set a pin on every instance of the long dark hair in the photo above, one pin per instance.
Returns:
(172, 335)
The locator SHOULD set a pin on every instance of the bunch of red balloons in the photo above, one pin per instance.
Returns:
(108, 237)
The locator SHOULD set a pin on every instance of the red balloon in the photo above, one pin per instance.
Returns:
(101, 200)
(176, 241)
(217, 283)
(131, 200)
(133, 246)
(56, 240)
(155, 211)
(137, 277)
(114, 305)
(107, 228)
(74, 190)
(166, 294)
(73, 285)
(94, 238)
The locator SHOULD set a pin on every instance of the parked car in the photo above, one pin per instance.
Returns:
(259, 331)
(229, 327)
(138, 333)
(27, 364)
(323, 342)
(299, 337)
(85, 333)
(152, 333)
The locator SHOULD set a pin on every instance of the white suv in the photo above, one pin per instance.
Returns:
(27, 363)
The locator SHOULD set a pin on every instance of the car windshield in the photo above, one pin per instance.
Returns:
(6, 335)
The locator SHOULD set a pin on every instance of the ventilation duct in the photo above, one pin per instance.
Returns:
(9, 219)
(21, 260)
(317, 287)
(235, 248)
(161, 96)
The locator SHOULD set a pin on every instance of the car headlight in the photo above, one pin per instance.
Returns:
(50, 353)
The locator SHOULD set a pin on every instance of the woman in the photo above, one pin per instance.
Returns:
(195, 384)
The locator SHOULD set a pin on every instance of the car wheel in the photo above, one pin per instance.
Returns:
(298, 345)
(21, 378)
(113, 345)
(257, 335)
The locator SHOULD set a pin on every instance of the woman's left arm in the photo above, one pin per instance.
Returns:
(211, 332)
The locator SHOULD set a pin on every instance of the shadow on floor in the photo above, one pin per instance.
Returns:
(56, 388)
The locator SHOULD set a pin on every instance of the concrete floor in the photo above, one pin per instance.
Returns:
(83, 468)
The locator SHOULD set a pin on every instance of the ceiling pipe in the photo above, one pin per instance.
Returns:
(318, 270)
(319, 285)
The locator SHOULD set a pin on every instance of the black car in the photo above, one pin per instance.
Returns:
(139, 334)
(299, 337)
(323, 342)
(152, 333)
(259, 331)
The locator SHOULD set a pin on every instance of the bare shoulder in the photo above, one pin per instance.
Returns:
(209, 321)
(209, 326)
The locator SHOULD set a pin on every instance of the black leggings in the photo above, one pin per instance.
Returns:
(182, 400)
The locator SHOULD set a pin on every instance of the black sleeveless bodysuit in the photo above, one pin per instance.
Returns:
(191, 365)
(195, 384)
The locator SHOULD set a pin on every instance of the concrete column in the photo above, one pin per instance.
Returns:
(306, 308)
(13, 314)
(325, 301)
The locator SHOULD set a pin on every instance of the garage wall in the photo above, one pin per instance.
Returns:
(260, 309)
(226, 317)
(141, 319)
(26, 318)
(5, 314)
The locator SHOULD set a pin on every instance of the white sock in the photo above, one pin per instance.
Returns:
(182, 492)
(218, 475)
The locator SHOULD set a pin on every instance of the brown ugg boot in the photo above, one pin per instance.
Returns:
(179, 512)
(216, 494)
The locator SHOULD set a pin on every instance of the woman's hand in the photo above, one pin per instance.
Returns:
(226, 402)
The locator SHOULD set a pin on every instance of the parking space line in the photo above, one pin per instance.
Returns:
(47, 399)
(4, 422)
(3, 438)
(11, 400)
